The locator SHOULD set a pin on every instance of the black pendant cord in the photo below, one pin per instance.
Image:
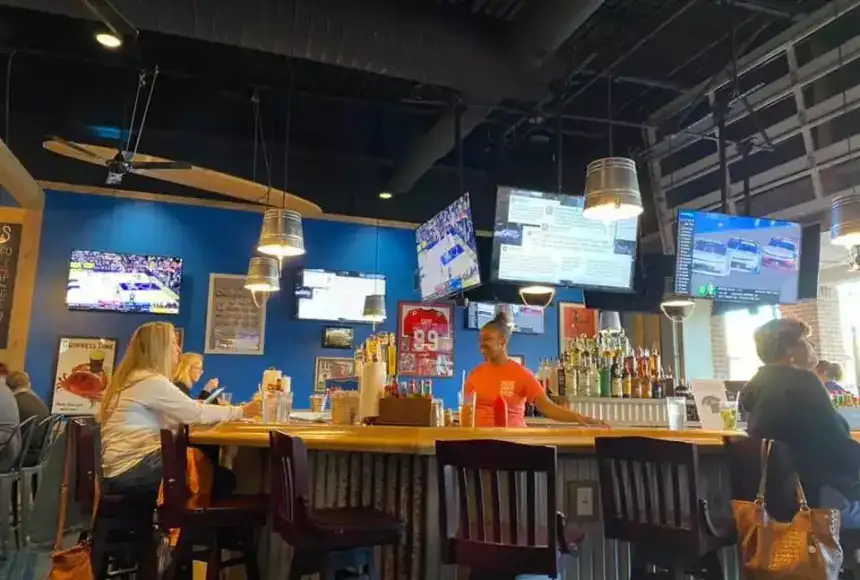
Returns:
(458, 142)
(559, 146)
(260, 133)
(288, 124)
(609, 112)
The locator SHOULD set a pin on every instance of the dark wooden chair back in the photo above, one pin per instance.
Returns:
(743, 455)
(483, 486)
(290, 486)
(174, 460)
(649, 491)
(87, 461)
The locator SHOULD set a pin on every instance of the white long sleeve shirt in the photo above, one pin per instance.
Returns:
(132, 431)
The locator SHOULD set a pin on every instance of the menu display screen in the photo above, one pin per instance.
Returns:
(543, 238)
(732, 258)
(526, 319)
(335, 296)
(447, 252)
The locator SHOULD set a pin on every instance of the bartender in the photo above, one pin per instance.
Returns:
(499, 376)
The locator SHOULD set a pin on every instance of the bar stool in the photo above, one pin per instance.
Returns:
(324, 541)
(48, 430)
(122, 529)
(493, 541)
(10, 486)
(649, 494)
(231, 524)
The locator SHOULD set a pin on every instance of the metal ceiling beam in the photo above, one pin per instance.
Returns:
(415, 42)
(542, 29)
(762, 7)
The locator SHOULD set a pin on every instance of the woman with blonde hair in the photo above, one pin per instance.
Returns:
(188, 372)
(139, 401)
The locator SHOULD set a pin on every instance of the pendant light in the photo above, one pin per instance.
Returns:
(611, 184)
(374, 304)
(845, 212)
(264, 275)
(537, 295)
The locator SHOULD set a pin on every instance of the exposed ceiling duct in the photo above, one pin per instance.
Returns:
(387, 37)
(541, 30)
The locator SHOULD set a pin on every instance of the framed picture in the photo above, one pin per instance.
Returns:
(84, 365)
(235, 320)
(331, 367)
(518, 358)
(425, 339)
(337, 337)
(574, 320)
(180, 336)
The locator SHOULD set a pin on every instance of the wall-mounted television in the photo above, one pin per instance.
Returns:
(114, 282)
(730, 258)
(335, 296)
(526, 319)
(447, 252)
(543, 238)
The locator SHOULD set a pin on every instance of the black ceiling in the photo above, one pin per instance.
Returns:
(351, 128)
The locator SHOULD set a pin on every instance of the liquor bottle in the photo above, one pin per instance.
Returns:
(605, 377)
(627, 378)
(561, 378)
(552, 376)
(616, 372)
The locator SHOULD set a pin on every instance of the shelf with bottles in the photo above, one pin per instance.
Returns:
(606, 366)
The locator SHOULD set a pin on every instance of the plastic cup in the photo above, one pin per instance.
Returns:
(467, 410)
(318, 403)
(676, 412)
(729, 415)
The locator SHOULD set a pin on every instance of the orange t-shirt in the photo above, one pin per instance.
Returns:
(512, 381)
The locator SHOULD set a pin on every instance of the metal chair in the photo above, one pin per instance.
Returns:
(48, 429)
(9, 487)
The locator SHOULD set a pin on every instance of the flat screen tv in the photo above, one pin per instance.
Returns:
(109, 281)
(526, 319)
(731, 258)
(447, 252)
(543, 238)
(335, 296)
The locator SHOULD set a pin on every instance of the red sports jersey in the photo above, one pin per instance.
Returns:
(425, 319)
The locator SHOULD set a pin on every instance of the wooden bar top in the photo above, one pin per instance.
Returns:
(421, 440)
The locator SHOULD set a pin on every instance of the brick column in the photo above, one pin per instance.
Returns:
(822, 316)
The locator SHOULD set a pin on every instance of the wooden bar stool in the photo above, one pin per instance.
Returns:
(122, 530)
(324, 541)
(492, 540)
(649, 494)
(232, 523)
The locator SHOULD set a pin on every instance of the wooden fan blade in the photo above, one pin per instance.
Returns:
(159, 165)
(87, 153)
(235, 187)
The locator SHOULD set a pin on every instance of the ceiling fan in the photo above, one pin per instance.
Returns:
(121, 164)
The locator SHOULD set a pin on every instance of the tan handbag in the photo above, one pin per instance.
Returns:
(73, 563)
(806, 548)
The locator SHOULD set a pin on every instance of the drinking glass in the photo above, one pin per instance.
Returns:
(729, 415)
(676, 411)
(318, 402)
(467, 410)
(225, 398)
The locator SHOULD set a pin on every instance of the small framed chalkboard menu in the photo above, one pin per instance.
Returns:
(235, 320)
(10, 246)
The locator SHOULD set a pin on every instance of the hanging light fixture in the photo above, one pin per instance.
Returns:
(281, 235)
(374, 304)
(611, 184)
(537, 295)
(845, 212)
(264, 275)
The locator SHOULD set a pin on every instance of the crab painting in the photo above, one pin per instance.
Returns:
(81, 381)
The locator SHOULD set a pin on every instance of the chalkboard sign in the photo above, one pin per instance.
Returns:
(235, 319)
(10, 246)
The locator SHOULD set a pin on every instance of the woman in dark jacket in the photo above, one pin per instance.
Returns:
(188, 372)
(787, 402)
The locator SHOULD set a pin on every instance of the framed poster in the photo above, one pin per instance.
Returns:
(337, 337)
(574, 320)
(84, 365)
(425, 339)
(330, 367)
(235, 322)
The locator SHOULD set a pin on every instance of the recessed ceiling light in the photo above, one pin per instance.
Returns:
(385, 195)
(108, 40)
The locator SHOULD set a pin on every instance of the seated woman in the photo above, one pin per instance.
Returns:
(830, 374)
(788, 403)
(188, 372)
(140, 401)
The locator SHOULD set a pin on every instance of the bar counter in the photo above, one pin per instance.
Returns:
(394, 469)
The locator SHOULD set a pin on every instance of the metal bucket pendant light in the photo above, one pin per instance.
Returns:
(611, 184)
(374, 304)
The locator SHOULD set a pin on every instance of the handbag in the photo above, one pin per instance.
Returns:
(73, 563)
(806, 548)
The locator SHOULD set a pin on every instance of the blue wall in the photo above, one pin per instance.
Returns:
(220, 241)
